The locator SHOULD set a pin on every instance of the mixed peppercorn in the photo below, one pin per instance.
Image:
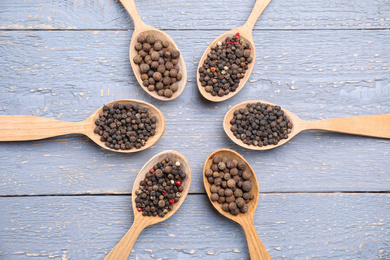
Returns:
(158, 64)
(124, 126)
(160, 189)
(225, 65)
(260, 124)
(230, 184)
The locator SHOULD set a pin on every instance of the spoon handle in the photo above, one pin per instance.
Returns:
(122, 250)
(256, 248)
(25, 128)
(131, 8)
(257, 10)
(374, 125)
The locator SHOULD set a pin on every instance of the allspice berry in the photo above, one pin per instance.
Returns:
(174, 87)
(158, 65)
(230, 186)
(214, 197)
(246, 186)
(137, 59)
(168, 93)
(150, 39)
(157, 76)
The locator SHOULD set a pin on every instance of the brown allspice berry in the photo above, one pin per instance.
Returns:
(173, 73)
(137, 59)
(159, 85)
(214, 197)
(167, 80)
(160, 92)
(141, 39)
(208, 172)
(225, 207)
(246, 175)
(247, 186)
(168, 93)
(155, 55)
(175, 54)
(175, 61)
(150, 39)
(157, 76)
(230, 199)
(174, 87)
(166, 44)
(158, 46)
(216, 160)
(179, 76)
(228, 192)
(231, 183)
(146, 47)
(144, 68)
(168, 65)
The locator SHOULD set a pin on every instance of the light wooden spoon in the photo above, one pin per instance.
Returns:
(144, 29)
(256, 248)
(28, 128)
(122, 250)
(374, 125)
(245, 33)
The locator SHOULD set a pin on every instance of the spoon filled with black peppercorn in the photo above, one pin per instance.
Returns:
(228, 61)
(155, 58)
(260, 125)
(232, 188)
(125, 126)
(158, 192)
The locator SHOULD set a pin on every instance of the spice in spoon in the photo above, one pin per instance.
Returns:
(225, 66)
(260, 124)
(124, 126)
(230, 184)
(160, 189)
(158, 63)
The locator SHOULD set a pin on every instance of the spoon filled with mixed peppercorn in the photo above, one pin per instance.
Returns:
(232, 188)
(158, 191)
(155, 58)
(227, 63)
(124, 126)
(260, 125)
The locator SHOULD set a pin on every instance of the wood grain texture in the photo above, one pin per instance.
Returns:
(189, 14)
(292, 226)
(315, 74)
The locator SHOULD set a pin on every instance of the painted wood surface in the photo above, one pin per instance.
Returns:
(322, 195)
(291, 226)
(190, 14)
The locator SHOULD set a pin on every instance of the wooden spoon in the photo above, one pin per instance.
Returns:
(144, 29)
(122, 250)
(374, 126)
(256, 248)
(245, 33)
(28, 128)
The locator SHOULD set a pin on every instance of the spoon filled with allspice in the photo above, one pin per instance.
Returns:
(232, 188)
(155, 58)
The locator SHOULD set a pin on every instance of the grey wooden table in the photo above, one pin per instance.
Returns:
(323, 195)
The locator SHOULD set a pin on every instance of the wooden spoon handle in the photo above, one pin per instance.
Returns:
(131, 8)
(375, 125)
(24, 128)
(257, 10)
(256, 248)
(122, 250)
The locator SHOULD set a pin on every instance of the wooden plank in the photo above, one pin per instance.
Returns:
(291, 226)
(190, 14)
(315, 74)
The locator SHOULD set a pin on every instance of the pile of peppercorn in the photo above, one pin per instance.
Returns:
(125, 126)
(158, 65)
(231, 184)
(161, 188)
(225, 65)
(260, 124)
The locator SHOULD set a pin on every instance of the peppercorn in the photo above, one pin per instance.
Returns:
(246, 175)
(150, 39)
(168, 93)
(144, 68)
(137, 59)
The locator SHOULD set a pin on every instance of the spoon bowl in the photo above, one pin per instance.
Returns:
(246, 34)
(143, 29)
(28, 128)
(122, 250)
(256, 248)
(373, 125)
